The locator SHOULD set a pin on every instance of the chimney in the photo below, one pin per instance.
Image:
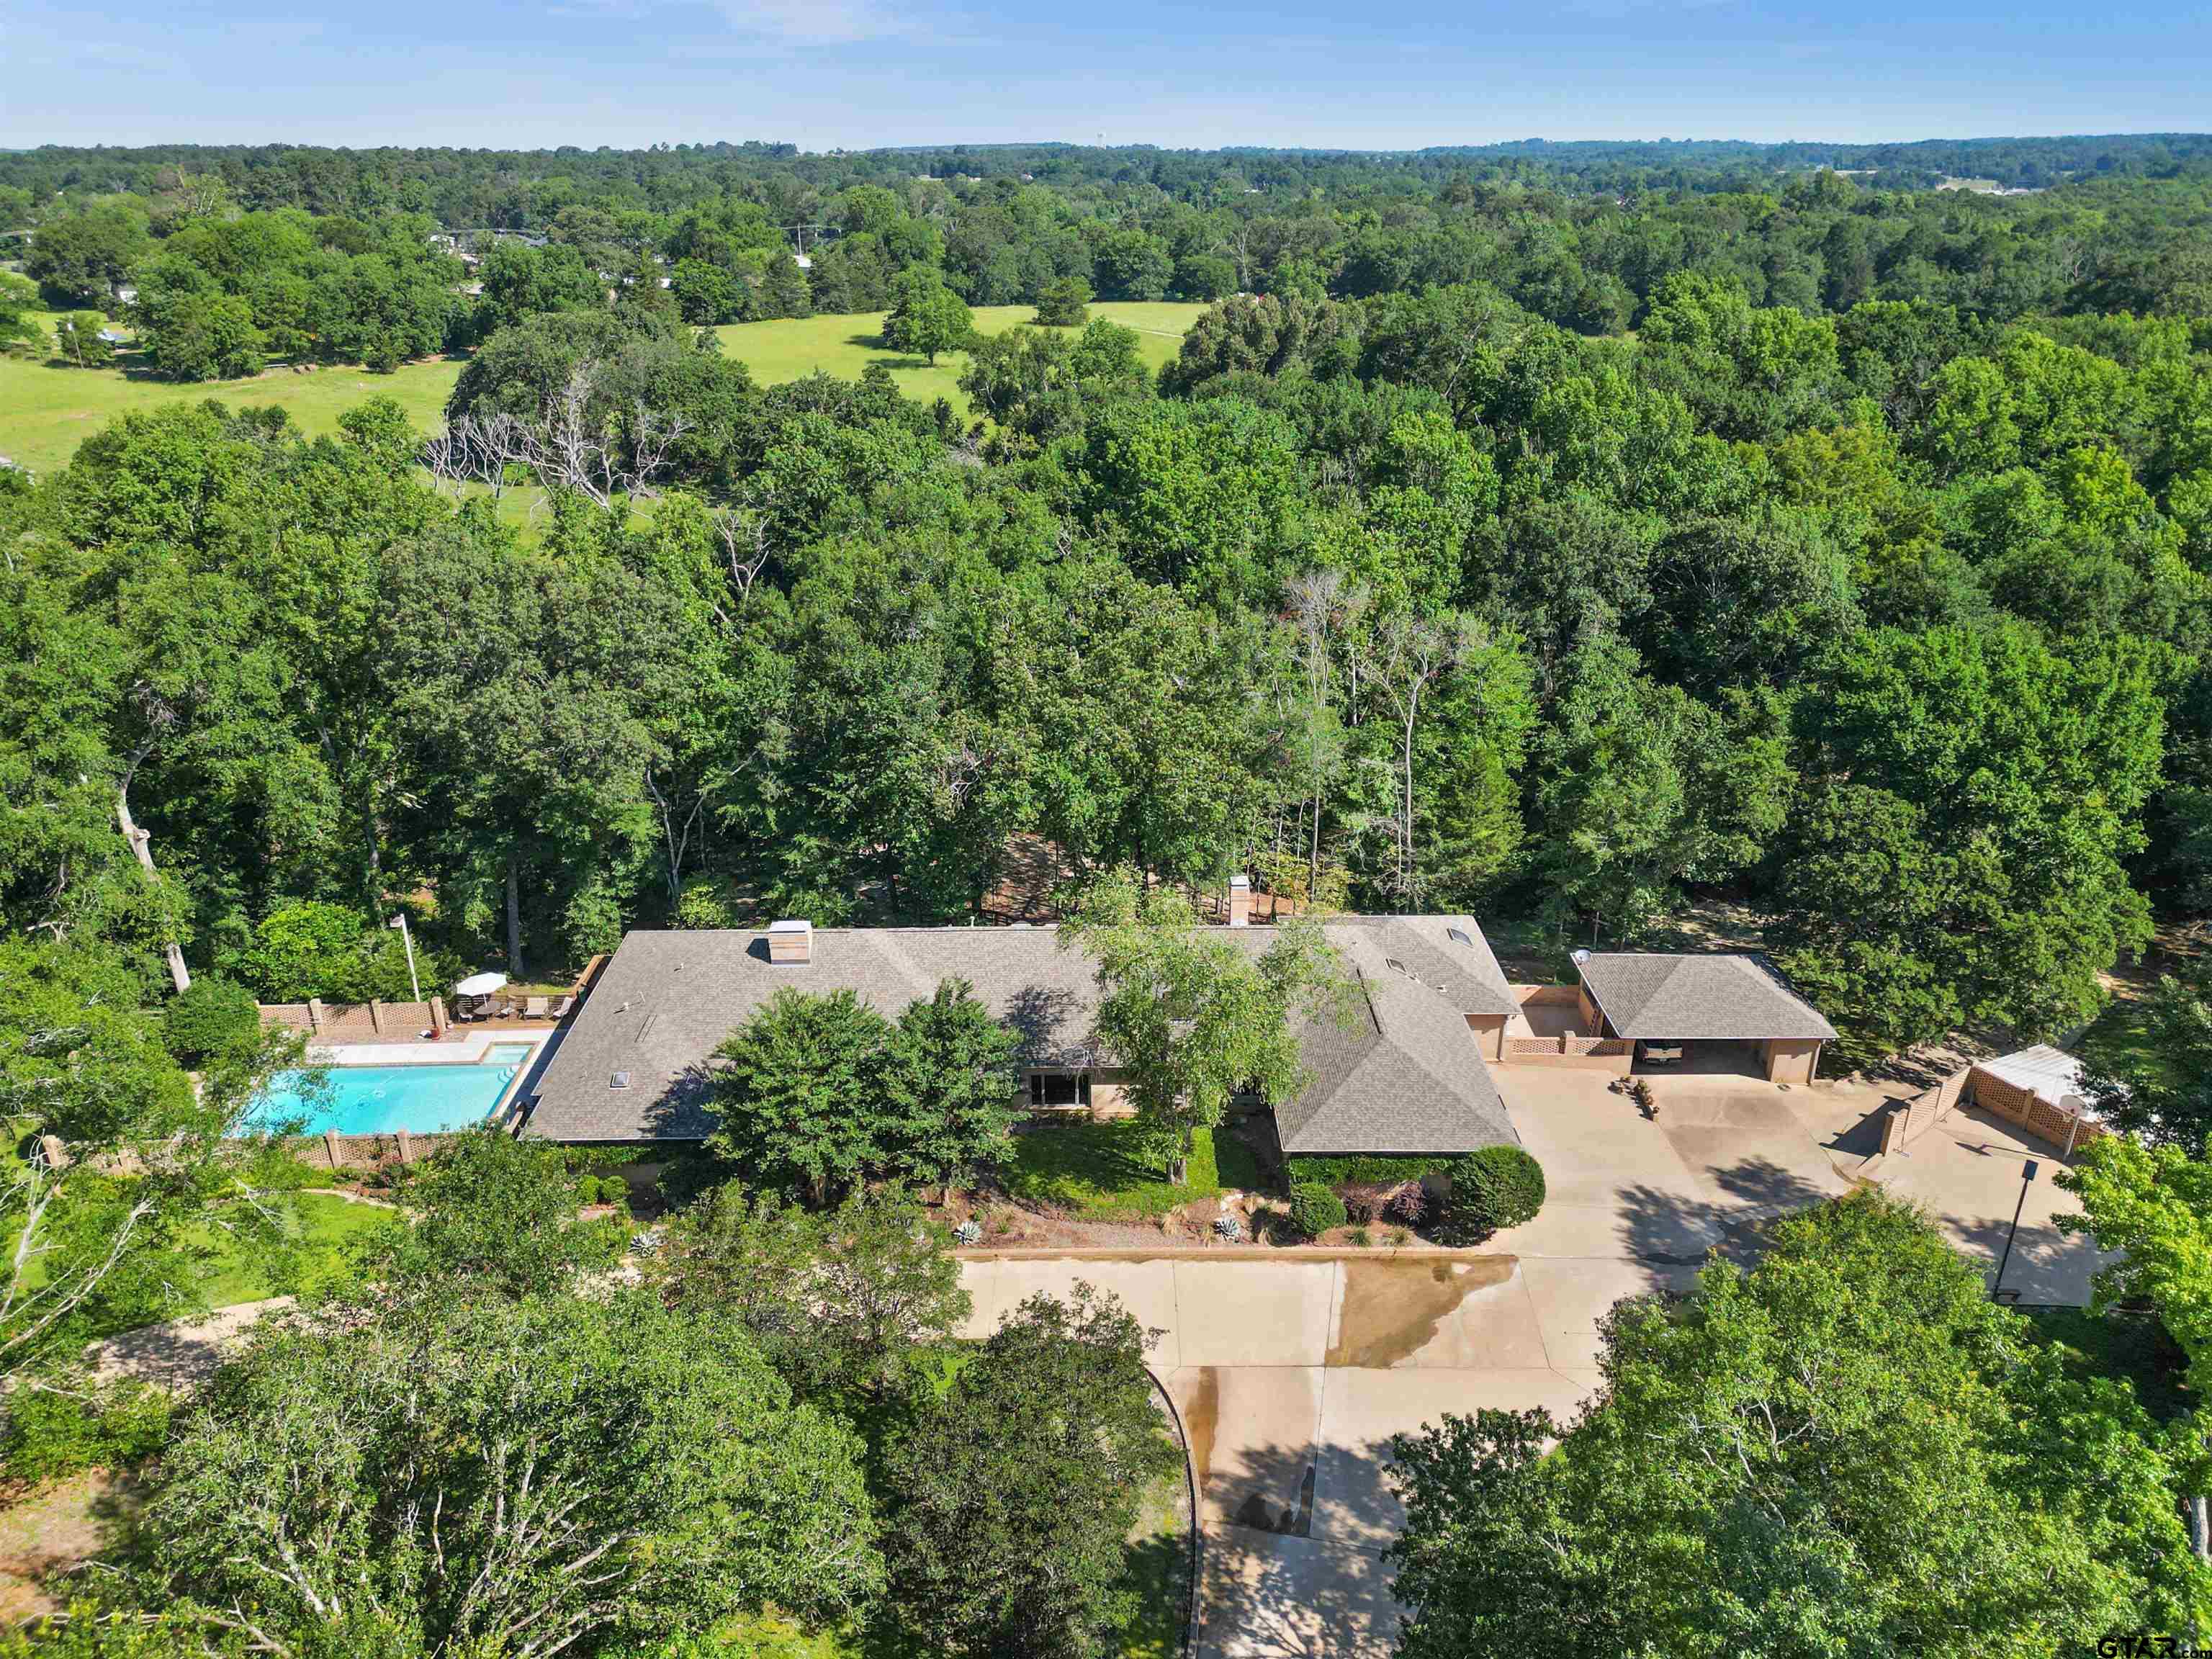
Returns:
(1240, 901)
(791, 941)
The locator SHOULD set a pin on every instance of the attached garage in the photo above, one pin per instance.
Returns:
(1684, 1009)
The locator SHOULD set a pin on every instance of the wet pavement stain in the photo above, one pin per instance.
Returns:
(1201, 1417)
(1392, 1308)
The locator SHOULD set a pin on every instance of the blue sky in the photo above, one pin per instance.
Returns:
(825, 73)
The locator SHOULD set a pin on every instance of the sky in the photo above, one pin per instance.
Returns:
(855, 74)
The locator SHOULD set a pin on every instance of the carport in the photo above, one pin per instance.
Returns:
(1710, 1013)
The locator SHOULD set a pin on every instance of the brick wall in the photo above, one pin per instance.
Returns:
(2031, 1111)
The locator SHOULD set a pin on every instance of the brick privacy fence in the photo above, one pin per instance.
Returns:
(1588, 1052)
(332, 1151)
(357, 1022)
(1972, 1085)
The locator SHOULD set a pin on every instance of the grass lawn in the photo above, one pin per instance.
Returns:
(844, 345)
(327, 1226)
(47, 407)
(1098, 1171)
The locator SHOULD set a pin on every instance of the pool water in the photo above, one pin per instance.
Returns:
(368, 1099)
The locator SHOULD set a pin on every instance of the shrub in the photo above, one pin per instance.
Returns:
(48, 1434)
(214, 1016)
(1361, 1237)
(1410, 1204)
(1314, 1209)
(1362, 1204)
(1497, 1187)
(1372, 1169)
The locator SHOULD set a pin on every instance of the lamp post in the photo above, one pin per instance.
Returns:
(407, 939)
(2026, 1177)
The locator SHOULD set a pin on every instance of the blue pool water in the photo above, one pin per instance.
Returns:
(367, 1100)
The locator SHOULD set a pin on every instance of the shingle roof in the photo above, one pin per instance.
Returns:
(1659, 997)
(1408, 1078)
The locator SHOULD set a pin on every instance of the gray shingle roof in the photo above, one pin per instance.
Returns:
(1408, 1078)
(1661, 996)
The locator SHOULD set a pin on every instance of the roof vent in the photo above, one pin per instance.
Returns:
(619, 1080)
(791, 941)
(1458, 936)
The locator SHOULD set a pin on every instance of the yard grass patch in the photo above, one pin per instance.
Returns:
(326, 1226)
(791, 348)
(1100, 1171)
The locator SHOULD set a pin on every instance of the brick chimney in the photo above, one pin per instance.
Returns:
(1240, 901)
(791, 941)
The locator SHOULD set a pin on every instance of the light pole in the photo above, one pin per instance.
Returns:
(2027, 1178)
(407, 939)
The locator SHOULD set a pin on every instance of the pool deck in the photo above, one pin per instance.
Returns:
(463, 1045)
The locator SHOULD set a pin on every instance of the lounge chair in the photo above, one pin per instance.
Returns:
(533, 1007)
(1652, 1055)
(504, 1009)
(559, 1008)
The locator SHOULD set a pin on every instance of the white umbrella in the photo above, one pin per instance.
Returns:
(480, 985)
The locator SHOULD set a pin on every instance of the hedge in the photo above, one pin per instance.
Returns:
(1368, 1167)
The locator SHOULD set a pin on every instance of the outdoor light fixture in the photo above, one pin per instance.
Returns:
(2026, 1179)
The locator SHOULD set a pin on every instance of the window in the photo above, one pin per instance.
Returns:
(1458, 937)
(1060, 1088)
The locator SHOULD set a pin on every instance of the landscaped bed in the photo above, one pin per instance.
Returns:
(1100, 1172)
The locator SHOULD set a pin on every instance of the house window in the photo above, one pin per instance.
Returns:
(1060, 1088)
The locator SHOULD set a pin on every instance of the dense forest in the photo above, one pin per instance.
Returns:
(1494, 542)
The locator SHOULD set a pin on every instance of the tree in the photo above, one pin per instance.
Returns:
(1063, 304)
(83, 257)
(79, 337)
(121, 1163)
(1010, 1497)
(925, 316)
(949, 1082)
(513, 1477)
(841, 1301)
(496, 1212)
(2152, 1207)
(1193, 1017)
(17, 331)
(2159, 1088)
(1847, 1450)
(797, 1092)
(705, 293)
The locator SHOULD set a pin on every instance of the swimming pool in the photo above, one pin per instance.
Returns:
(368, 1099)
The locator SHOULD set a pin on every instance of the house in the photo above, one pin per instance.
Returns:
(1691, 1002)
(1400, 1070)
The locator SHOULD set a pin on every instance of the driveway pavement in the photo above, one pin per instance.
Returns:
(1291, 1371)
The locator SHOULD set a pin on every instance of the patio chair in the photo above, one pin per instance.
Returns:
(533, 1007)
(559, 1008)
(1654, 1055)
(504, 1009)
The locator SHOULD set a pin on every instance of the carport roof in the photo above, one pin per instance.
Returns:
(1660, 997)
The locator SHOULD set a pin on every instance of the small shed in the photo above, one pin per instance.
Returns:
(1670, 1000)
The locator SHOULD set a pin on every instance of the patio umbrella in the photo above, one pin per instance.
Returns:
(480, 985)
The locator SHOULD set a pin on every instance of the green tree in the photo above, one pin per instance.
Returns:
(493, 1212)
(841, 1301)
(77, 338)
(925, 316)
(949, 1081)
(2159, 1087)
(1063, 304)
(18, 333)
(797, 1092)
(490, 1476)
(705, 293)
(121, 1166)
(1011, 1496)
(1849, 1449)
(1195, 1019)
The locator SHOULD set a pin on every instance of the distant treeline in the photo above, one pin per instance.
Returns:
(225, 258)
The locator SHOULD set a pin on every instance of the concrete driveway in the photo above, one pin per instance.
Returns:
(1292, 1369)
